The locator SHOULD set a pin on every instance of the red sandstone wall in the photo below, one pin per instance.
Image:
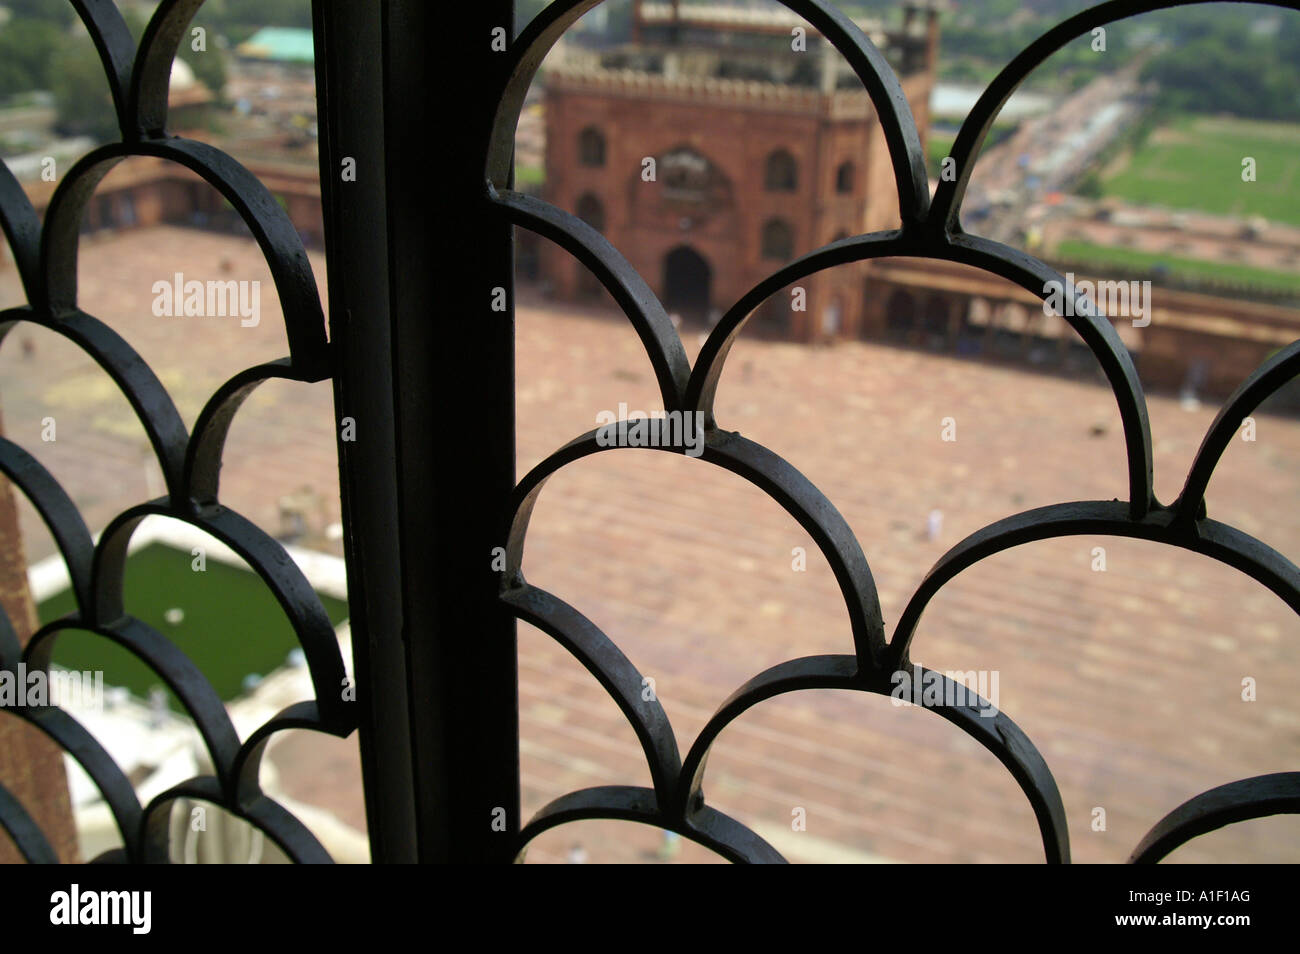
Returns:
(737, 137)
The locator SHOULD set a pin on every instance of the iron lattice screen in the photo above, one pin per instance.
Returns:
(437, 717)
(930, 229)
(46, 258)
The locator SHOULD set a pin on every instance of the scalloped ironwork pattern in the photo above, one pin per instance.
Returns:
(930, 229)
(46, 259)
(190, 462)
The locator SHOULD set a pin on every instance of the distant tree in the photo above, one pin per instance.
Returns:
(525, 10)
(1211, 75)
(1221, 61)
(619, 25)
(209, 65)
(136, 20)
(81, 95)
(58, 12)
(237, 20)
(225, 14)
(27, 49)
(1089, 185)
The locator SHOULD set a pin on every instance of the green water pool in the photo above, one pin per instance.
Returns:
(228, 622)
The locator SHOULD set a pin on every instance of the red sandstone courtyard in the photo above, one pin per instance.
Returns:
(1129, 681)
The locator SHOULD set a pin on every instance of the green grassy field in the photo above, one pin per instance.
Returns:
(936, 148)
(232, 625)
(1196, 163)
(529, 175)
(1116, 259)
(939, 144)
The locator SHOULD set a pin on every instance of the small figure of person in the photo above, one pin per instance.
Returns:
(670, 847)
(934, 524)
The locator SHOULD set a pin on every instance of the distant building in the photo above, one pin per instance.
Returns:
(145, 190)
(188, 100)
(761, 152)
(279, 45)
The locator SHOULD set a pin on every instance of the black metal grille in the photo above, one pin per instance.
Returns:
(434, 635)
(930, 229)
(47, 263)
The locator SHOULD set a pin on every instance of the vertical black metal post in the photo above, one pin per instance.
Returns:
(350, 95)
(454, 370)
(415, 262)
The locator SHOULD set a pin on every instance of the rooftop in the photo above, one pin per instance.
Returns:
(695, 43)
(279, 44)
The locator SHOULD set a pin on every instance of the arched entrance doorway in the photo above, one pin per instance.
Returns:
(936, 336)
(687, 281)
(900, 317)
(973, 325)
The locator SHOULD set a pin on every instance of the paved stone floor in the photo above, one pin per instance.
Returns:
(1128, 680)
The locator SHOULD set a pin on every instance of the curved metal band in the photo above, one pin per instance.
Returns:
(248, 763)
(47, 264)
(152, 71)
(275, 234)
(1102, 518)
(1258, 386)
(136, 381)
(22, 230)
(997, 733)
(202, 473)
(23, 830)
(775, 477)
(113, 785)
(639, 303)
(870, 65)
(268, 559)
(708, 827)
(277, 823)
(58, 513)
(945, 209)
(614, 671)
(116, 48)
(1029, 273)
(1238, 801)
(173, 667)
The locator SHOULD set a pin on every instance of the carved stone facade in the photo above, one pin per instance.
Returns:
(707, 175)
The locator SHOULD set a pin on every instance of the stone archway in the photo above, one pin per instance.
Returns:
(935, 324)
(973, 325)
(900, 317)
(687, 284)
